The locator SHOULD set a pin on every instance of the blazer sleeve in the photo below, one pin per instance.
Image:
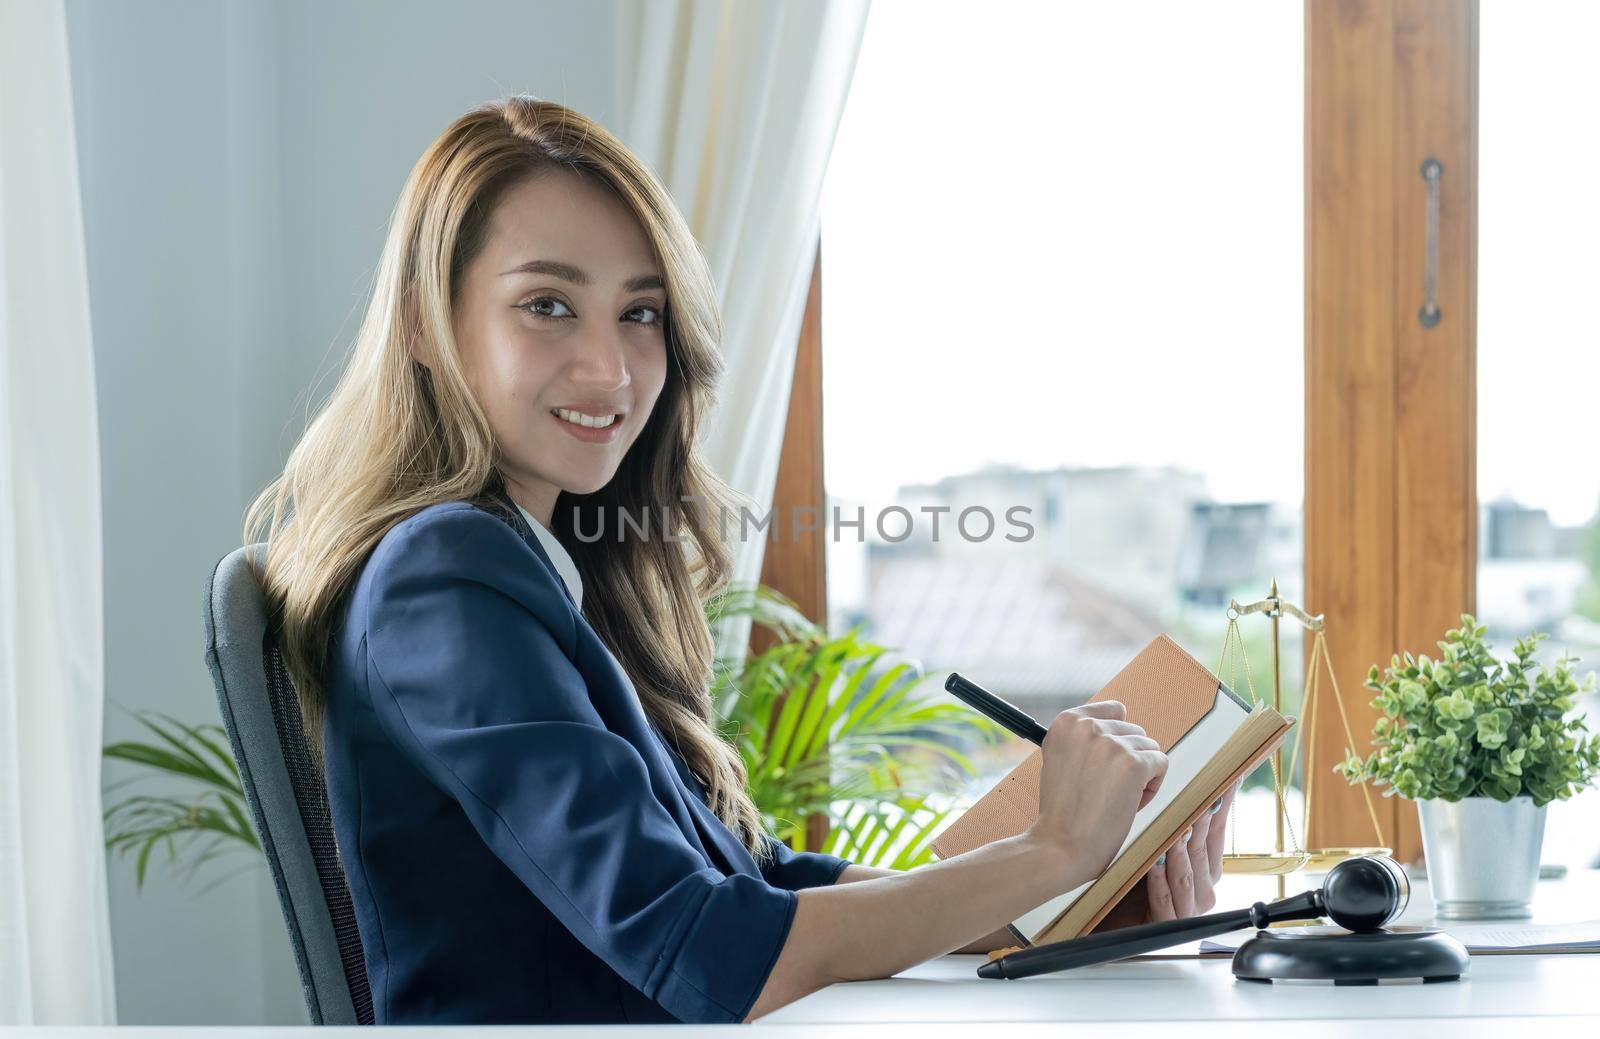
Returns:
(794, 870)
(469, 648)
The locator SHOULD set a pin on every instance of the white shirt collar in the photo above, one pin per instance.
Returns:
(558, 555)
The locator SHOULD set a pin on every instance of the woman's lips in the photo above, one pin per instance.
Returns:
(589, 434)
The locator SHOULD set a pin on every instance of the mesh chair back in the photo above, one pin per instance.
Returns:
(286, 793)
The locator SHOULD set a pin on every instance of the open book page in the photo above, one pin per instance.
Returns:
(1257, 737)
(1185, 759)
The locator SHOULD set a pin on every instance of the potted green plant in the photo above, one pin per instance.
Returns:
(1483, 746)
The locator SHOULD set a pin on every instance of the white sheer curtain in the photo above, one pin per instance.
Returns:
(735, 104)
(55, 945)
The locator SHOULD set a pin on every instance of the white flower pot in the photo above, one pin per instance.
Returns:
(1483, 856)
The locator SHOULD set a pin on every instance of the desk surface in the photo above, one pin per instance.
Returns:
(1546, 996)
(1557, 994)
(949, 990)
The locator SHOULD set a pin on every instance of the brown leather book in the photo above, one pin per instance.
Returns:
(1211, 737)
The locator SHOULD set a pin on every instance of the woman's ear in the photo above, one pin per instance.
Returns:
(411, 329)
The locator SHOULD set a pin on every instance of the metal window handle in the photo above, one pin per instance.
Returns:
(1432, 170)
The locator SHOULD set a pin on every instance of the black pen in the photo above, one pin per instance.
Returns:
(1014, 718)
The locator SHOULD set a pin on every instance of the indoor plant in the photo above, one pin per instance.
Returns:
(832, 725)
(209, 821)
(1483, 746)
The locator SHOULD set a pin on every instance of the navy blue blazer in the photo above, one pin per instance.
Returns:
(521, 844)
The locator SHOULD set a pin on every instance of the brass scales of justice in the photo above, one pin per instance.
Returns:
(1281, 861)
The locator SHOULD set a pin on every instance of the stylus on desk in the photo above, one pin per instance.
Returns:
(1014, 718)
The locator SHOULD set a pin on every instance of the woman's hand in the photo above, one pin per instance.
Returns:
(1183, 881)
(1098, 770)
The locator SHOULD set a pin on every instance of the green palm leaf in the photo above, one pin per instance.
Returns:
(209, 823)
(831, 725)
(893, 835)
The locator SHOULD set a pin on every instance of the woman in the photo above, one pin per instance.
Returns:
(538, 821)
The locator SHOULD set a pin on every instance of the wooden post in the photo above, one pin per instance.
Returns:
(797, 567)
(1391, 499)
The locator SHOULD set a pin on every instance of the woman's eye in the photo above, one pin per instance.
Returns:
(533, 307)
(654, 312)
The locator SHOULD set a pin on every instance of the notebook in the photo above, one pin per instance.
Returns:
(1211, 737)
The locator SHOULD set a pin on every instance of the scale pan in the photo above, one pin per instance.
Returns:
(1324, 859)
(1266, 863)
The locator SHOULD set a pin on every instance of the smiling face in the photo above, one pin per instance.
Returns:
(559, 322)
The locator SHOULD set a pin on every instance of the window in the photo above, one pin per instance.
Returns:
(1538, 366)
(1057, 236)
(1064, 253)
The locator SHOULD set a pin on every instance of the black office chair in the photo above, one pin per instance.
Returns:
(287, 794)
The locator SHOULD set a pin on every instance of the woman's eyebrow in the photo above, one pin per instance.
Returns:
(567, 272)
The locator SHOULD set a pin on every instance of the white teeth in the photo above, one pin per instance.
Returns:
(584, 420)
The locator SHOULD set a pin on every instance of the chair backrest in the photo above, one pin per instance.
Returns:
(286, 791)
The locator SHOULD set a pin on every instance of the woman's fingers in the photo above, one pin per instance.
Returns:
(1102, 709)
(1180, 877)
(1215, 840)
(1183, 881)
(1118, 727)
(1155, 769)
(1159, 894)
(1205, 895)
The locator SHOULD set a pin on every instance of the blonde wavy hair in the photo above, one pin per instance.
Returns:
(394, 438)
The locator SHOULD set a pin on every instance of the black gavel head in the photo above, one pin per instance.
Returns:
(1364, 893)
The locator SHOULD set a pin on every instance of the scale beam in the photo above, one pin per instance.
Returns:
(1275, 606)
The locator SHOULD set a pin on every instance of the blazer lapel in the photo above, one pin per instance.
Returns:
(512, 515)
(690, 794)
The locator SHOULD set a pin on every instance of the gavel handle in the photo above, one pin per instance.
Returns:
(1131, 941)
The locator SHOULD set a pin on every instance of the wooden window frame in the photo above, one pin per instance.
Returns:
(797, 567)
(1390, 407)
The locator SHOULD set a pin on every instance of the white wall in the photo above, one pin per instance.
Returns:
(240, 160)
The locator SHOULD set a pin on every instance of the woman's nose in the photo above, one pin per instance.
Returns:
(601, 361)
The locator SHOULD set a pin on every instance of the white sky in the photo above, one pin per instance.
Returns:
(1071, 234)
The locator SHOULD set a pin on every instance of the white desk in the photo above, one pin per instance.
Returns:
(947, 990)
(1501, 996)
(1204, 990)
